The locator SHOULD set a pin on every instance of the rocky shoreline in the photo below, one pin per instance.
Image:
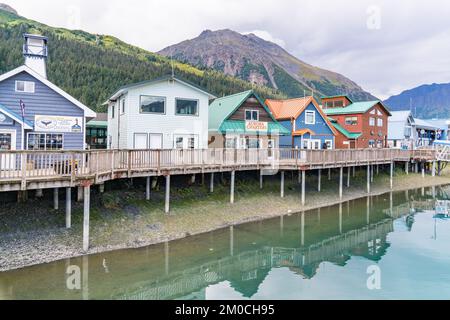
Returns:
(134, 223)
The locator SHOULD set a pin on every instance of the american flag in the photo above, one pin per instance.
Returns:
(22, 107)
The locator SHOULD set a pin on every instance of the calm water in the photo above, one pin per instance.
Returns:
(322, 254)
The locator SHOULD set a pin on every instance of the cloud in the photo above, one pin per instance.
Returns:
(385, 46)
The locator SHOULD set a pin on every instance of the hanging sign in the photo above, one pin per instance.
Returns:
(58, 124)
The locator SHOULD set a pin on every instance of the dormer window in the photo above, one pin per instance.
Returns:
(251, 115)
(25, 86)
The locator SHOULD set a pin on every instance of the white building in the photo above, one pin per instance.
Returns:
(166, 113)
(402, 130)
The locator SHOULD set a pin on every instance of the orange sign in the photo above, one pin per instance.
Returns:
(256, 126)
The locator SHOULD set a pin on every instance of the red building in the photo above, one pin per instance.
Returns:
(361, 124)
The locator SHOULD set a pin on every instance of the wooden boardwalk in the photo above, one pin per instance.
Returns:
(30, 170)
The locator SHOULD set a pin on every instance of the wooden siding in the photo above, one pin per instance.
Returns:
(168, 124)
(44, 101)
(251, 104)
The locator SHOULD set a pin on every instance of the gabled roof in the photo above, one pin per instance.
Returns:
(303, 132)
(355, 108)
(400, 116)
(222, 108)
(26, 124)
(87, 111)
(293, 108)
(345, 132)
(121, 91)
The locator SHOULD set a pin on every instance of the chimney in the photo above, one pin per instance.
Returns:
(35, 52)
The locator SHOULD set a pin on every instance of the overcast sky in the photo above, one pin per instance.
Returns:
(384, 46)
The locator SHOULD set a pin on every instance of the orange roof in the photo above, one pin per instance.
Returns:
(303, 132)
(293, 108)
(288, 109)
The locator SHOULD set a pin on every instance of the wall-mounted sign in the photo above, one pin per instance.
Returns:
(256, 126)
(58, 124)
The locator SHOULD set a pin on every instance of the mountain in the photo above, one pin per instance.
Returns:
(7, 8)
(259, 61)
(430, 101)
(91, 67)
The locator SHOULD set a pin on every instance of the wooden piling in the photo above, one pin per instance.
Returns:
(86, 214)
(167, 198)
(68, 208)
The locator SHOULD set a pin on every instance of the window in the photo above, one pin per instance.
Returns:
(380, 144)
(408, 132)
(310, 117)
(339, 104)
(186, 107)
(329, 104)
(351, 121)
(373, 111)
(251, 115)
(231, 143)
(371, 143)
(191, 143)
(380, 122)
(372, 122)
(379, 113)
(252, 143)
(329, 144)
(151, 104)
(122, 104)
(25, 86)
(179, 143)
(113, 111)
(45, 141)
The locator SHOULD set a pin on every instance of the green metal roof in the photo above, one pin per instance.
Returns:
(222, 108)
(97, 124)
(346, 133)
(354, 108)
(238, 126)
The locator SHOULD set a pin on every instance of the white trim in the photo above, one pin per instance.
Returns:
(33, 86)
(13, 134)
(124, 90)
(20, 121)
(87, 111)
(25, 147)
(251, 110)
(306, 117)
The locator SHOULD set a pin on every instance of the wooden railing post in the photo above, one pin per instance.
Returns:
(24, 171)
(72, 169)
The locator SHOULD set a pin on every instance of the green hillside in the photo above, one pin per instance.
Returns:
(91, 67)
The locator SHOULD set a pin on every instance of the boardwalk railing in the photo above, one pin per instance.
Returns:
(26, 165)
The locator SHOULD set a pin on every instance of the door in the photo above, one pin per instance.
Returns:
(314, 144)
(156, 141)
(140, 141)
(7, 143)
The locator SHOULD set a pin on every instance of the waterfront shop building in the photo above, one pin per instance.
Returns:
(344, 139)
(243, 121)
(309, 127)
(165, 113)
(368, 118)
(97, 132)
(426, 133)
(402, 133)
(35, 114)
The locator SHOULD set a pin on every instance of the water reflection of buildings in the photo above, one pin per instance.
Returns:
(248, 270)
(242, 256)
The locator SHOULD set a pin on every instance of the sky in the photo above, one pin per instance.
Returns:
(384, 46)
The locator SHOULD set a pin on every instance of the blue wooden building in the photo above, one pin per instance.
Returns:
(34, 113)
(310, 128)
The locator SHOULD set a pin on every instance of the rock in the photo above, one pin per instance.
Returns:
(7, 8)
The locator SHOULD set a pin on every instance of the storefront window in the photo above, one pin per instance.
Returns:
(45, 141)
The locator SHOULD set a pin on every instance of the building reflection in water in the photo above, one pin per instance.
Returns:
(241, 255)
